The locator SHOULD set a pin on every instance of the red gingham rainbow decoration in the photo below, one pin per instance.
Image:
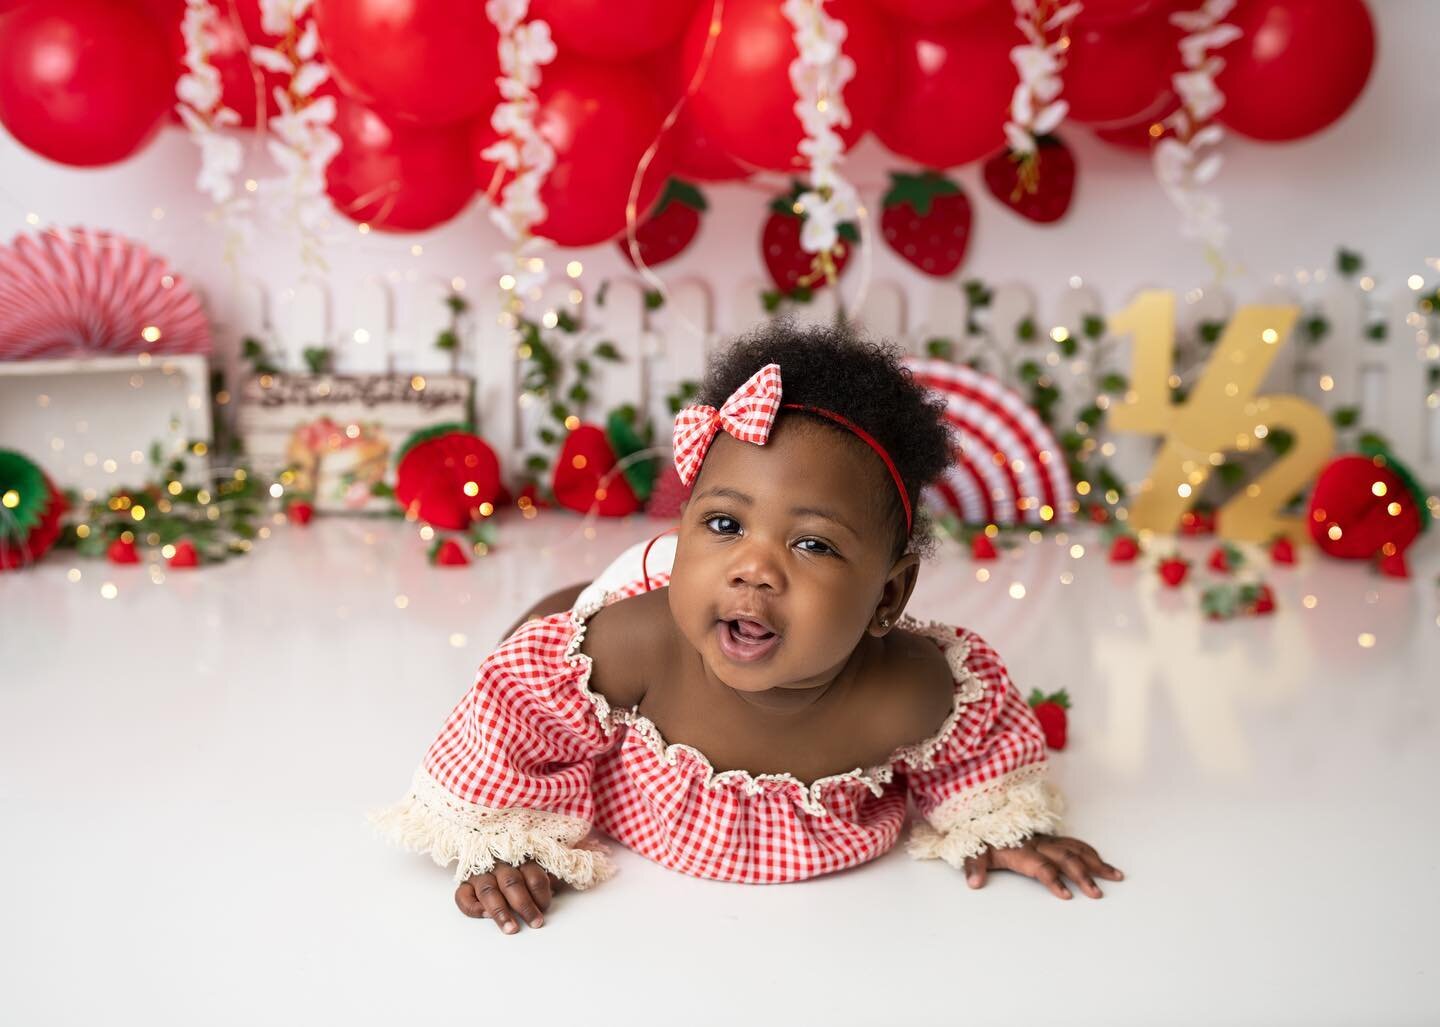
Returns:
(81, 292)
(1008, 464)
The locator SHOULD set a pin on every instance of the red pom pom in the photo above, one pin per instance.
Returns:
(122, 551)
(448, 553)
(981, 548)
(1124, 549)
(1282, 551)
(300, 512)
(185, 555)
(1394, 566)
(1173, 571)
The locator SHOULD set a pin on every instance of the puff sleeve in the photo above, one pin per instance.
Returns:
(508, 778)
(983, 783)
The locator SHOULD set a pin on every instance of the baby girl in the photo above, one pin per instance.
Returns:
(748, 700)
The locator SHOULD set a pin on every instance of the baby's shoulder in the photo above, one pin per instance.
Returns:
(913, 689)
(626, 640)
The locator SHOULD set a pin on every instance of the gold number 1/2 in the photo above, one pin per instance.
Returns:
(1222, 414)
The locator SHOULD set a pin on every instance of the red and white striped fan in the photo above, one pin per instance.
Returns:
(92, 293)
(1009, 467)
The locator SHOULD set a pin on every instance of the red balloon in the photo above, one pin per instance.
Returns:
(242, 83)
(934, 12)
(395, 176)
(697, 158)
(1142, 133)
(613, 30)
(952, 91)
(1111, 11)
(1299, 67)
(426, 61)
(1115, 73)
(83, 82)
(745, 102)
(600, 118)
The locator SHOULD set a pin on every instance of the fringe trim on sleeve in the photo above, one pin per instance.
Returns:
(430, 819)
(999, 816)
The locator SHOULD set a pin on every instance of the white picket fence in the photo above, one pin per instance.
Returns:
(391, 324)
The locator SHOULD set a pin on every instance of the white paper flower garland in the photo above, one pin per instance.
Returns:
(1035, 107)
(1187, 161)
(202, 109)
(525, 47)
(819, 75)
(302, 142)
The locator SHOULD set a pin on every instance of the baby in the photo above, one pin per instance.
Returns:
(748, 701)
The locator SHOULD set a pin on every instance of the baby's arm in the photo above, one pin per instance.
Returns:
(556, 602)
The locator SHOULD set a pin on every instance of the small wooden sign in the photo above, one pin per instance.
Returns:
(337, 434)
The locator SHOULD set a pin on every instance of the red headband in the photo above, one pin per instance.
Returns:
(748, 415)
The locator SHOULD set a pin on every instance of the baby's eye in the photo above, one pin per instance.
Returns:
(726, 525)
(820, 548)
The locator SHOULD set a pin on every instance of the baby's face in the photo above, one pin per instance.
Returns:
(782, 556)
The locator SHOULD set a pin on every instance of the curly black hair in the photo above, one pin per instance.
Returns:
(836, 368)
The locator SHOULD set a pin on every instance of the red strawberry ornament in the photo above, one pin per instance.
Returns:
(122, 550)
(926, 220)
(1099, 514)
(981, 548)
(1282, 550)
(1393, 565)
(1173, 570)
(670, 227)
(300, 512)
(1225, 559)
(1043, 192)
(582, 480)
(792, 269)
(1051, 711)
(1124, 549)
(1197, 522)
(184, 554)
(447, 552)
(1264, 601)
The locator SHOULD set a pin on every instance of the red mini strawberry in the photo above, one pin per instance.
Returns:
(1050, 710)
(447, 552)
(981, 548)
(1394, 566)
(791, 268)
(1053, 182)
(1282, 551)
(1099, 514)
(1264, 601)
(300, 512)
(1225, 559)
(927, 221)
(184, 554)
(1198, 522)
(1173, 570)
(1124, 549)
(670, 228)
(122, 550)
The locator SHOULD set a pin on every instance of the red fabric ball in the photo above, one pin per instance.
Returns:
(42, 536)
(1350, 521)
(582, 480)
(431, 481)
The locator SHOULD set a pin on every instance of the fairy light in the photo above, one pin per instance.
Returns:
(1366, 640)
(402, 601)
(1066, 578)
(457, 640)
(11, 499)
(1017, 590)
(1077, 551)
(486, 509)
(1416, 282)
(108, 590)
(574, 269)
(982, 575)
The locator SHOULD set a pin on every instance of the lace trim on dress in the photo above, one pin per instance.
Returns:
(919, 755)
(476, 838)
(1000, 814)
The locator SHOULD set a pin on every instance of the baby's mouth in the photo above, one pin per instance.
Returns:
(745, 640)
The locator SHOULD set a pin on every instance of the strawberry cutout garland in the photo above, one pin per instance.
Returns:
(30, 511)
(670, 228)
(1053, 713)
(926, 220)
(1038, 187)
(796, 273)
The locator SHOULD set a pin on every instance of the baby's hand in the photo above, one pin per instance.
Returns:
(506, 893)
(1045, 857)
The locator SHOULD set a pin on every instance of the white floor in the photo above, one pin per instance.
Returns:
(184, 771)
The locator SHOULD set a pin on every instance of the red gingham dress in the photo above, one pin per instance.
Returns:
(530, 760)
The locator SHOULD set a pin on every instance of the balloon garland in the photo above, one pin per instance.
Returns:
(1185, 161)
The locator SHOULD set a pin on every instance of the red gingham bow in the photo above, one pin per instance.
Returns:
(748, 415)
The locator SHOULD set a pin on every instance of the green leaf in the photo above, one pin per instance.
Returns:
(977, 294)
(1347, 262)
(566, 322)
(607, 351)
(1068, 346)
(447, 340)
(1091, 415)
(602, 292)
(941, 349)
(1030, 371)
(770, 300)
(654, 299)
(847, 231)
(250, 348)
(382, 490)
(1345, 417)
(578, 393)
(918, 191)
(1025, 330)
(679, 191)
(1279, 441)
(458, 304)
(1317, 328)
(1371, 440)
(801, 294)
(1230, 474)
(548, 437)
(317, 359)
(1377, 332)
(583, 368)
(536, 463)
(1072, 441)
(1114, 383)
(1210, 331)
(1179, 394)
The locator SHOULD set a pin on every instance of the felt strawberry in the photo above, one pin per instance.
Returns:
(1041, 192)
(184, 554)
(1124, 549)
(669, 494)
(31, 513)
(122, 550)
(1050, 710)
(582, 480)
(1393, 565)
(926, 220)
(1226, 559)
(792, 269)
(300, 512)
(669, 228)
(1198, 522)
(981, 548)
(1264, 601)
(446, 552)
(1173, 570)
(1282, 551)
(1099, 514)
(444, 475)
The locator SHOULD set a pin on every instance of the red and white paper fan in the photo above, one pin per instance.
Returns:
(90, 293)
(1008, 466)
